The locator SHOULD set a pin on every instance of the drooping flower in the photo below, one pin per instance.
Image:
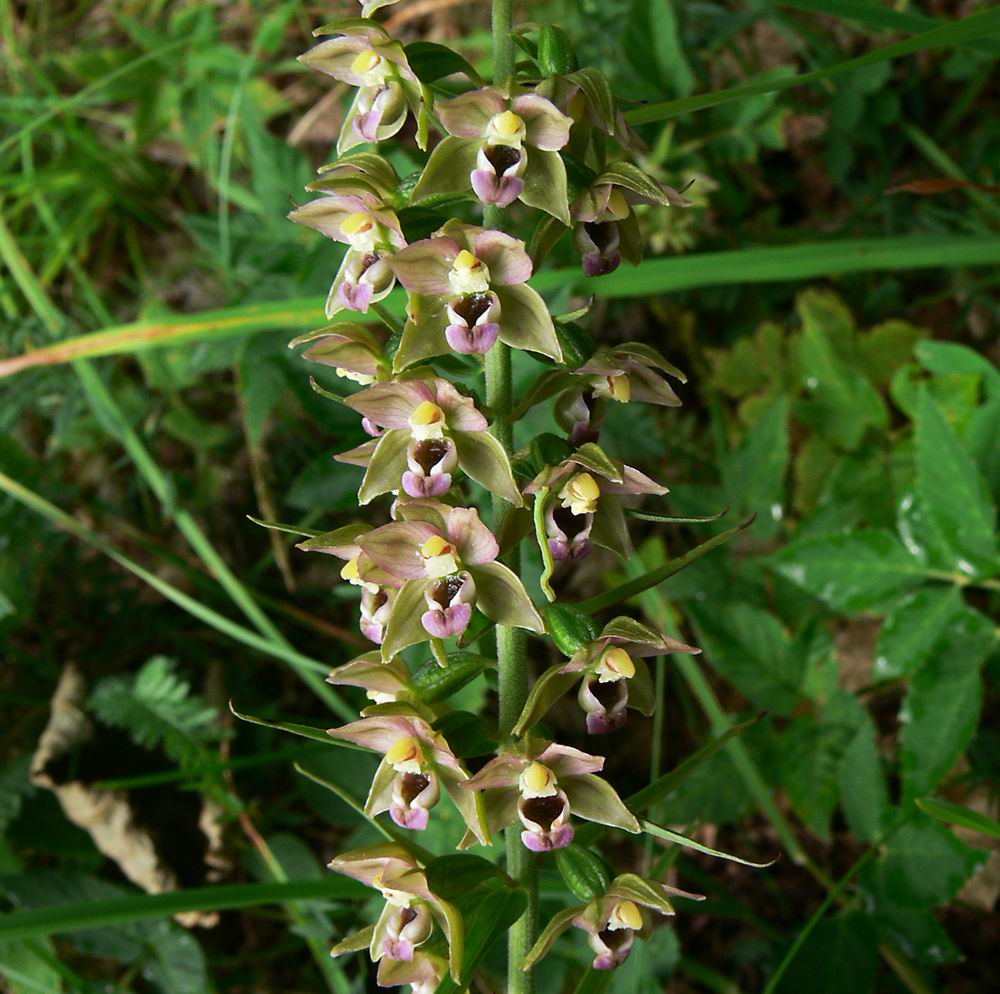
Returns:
(612, 674)
(363, 54)
(371, 232)
(467, 289)
(430, 430)
(582, 503)
(407, 918)
(605, 228)
(445, 559)
(504, 149)
(383, 682)
(356, 353)
(416, 762)
(378, 588)
(612, 920)
(542, 788)
(625, 373)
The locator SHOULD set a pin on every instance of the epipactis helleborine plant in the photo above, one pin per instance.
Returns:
(431, 572)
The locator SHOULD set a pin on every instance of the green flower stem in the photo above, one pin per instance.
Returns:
(511, 642)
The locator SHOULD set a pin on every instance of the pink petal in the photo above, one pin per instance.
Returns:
(467, 116)
(377, 734)
(547, 127)
(504, 256)
(460, 411)
(396, 547)
(565, 761)
(390, 404)
(504, 771)
(633, 482)
(475, 542)
(423, 267)
(334, 57)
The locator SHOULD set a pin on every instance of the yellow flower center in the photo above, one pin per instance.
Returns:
(349, 572)
(356, 223)
(506, 129)
(404, 755)
(619, 388)
(427, 421)
(469, 274)
(440, 556)
(618, 206)
(625, 915)
(580, 495)
(365, 61)
(538, 781)
(616, 664)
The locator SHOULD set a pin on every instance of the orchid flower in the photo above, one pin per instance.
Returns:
(612, 674)
(506, 150)
(582, 502)
(364, 55)
(423, 973)
(416, 763)
(408, 916)
(467, 289)
(445, 558)
(628, 372)
(542, 788)
(585, 97)
(356, 353)
(371, 233)
(605, 228)
(383, 682)
(612, 920)
(430, 430)
(377, 587)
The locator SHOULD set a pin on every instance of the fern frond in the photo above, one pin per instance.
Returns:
(156, 708)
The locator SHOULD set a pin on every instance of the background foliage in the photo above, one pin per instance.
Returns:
(830, 296)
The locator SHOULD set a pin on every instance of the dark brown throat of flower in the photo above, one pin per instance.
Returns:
(413, 784)
(406, 915)
(367, 262)
(502, 157)
(609, 693)
(614, 938)
(543, 810)
(571, 524)
(428, 453)
(602, 233)
(445, 589)
(471, 307)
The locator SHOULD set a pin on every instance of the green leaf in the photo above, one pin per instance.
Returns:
(584, 872)
(910, 632)
(306, 731)
(753, 474)
(943, 358)
(60, 918)
(431, 62)
(925, 865)
(454, 874)
(545, 185)
(839, 957)
(956, 33)
(852, 572)
(954, 496)
(941, 709)
(751, 649)
(958, 814)
(652, 45)
(864, 793)
(545, 691)
(434, 683)
(682, 840)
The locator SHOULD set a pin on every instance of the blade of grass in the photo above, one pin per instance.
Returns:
(777, 264)
(975, 27)
(60, 918)
(308, 669)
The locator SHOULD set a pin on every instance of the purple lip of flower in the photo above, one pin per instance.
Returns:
(397, 949)
(497, 176)
(612, 947)
(430, 463)
(375, 610)
(355, 296)
(546, 821)
(414, 794)
(568, 533)
(598, 242)
(474, 322)
(604, 704)
(449, 604)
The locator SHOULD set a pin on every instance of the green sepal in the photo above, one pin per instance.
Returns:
(448, 169)
(578, 344)
(483, 458)
(556, 926)
(354, 943)
(591, 456)
(387, 465)
(556, 56)
(339, 537)
(583, 872)
(545, 185)
(545, 691)
(597, 90)
(349, 25)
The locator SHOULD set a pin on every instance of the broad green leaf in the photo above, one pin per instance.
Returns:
(652, 45)
(852, 572)
(839, 957)
(864, 792)
(431, 62)
(958, 814)
(951, 357)
(941, 708)
(925, 865)
(954, 496)
(910, 631)
(982, 440)
(753, 473)
(454, 874)
(750, 648)
(434, 683)
(583, 871)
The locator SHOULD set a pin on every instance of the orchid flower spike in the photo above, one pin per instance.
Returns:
(543, 788)
(506, 150)
(467, 289)
(371, 232)
(364, 55)
(378, 588)
(445, 559)
(430, 430)
(583, 506)
(612, 674)
(612, 920)
(416, 763)
(408, 916)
